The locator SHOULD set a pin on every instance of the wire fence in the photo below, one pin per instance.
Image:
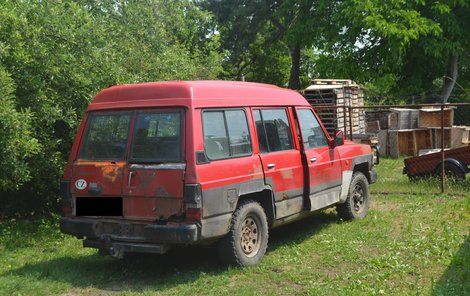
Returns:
(423, 148)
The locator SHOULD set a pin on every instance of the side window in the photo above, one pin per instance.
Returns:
(312, 133)
(226, 134)
(262, 141)
(273, 129)
(238, 134)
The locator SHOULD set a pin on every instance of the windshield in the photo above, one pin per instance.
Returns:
(156, 137)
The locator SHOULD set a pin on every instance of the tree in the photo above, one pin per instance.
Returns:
(400, 47)
(295, 24)
(58, 54)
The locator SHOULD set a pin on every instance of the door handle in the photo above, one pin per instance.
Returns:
(271, 165)
(313, 159)
(129, 179)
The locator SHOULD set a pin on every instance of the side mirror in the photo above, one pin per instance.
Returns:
(338, 139)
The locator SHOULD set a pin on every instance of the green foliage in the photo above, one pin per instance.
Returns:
(60, 53)
(17, 143)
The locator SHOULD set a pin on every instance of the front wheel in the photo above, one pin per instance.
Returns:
(247, 240)
(357, 203)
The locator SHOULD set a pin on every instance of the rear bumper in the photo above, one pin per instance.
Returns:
(125, 231)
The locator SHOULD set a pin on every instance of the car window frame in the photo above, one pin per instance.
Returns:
(286, 109)
(153, 111)
(204, 110)
(325, 133)
(84, 136)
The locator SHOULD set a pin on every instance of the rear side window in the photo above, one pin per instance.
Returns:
(157, 137)
(226, 134)
(106, 137)
(273, 129)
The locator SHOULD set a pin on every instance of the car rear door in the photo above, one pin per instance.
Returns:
(97, 173)
(324, 166)
(281, 159)
(154, 175)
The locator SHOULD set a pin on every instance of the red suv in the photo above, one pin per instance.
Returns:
(155, 165)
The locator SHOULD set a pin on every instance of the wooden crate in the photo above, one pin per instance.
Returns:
(372, 126)
(405, 118)
(384, 117)
(431, 117)
(383, 142)
(454, 137)
(337, 92)
(366, 138)
(408, 142)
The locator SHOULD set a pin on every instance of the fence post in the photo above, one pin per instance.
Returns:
(350, 122)
(443, 169)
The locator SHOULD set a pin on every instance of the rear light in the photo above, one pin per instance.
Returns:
(193, 201)
(193, 214)
(66, 197)
(193, 196)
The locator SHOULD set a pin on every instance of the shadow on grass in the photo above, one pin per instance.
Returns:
(456, 278)
(158, 272)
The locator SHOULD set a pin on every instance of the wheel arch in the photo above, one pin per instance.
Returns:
(460, 165)
(363, 167)
(265, 199)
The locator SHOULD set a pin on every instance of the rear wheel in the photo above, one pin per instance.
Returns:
(453, 172)
(247, 240)
(357, 203)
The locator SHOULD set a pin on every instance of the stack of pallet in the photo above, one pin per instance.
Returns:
(412, 131)
(337, 92)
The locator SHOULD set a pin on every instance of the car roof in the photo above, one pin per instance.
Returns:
(197, 94)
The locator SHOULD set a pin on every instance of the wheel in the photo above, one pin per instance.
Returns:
(358, 200)
(247, 240)
(453, 172)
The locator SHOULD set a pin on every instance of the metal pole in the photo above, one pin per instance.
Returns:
(443, 170)
(350, 122)
(345, 121)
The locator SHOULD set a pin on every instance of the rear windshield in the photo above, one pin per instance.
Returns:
(106, 137)
(156, 137)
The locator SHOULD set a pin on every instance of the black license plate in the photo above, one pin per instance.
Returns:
(98, 206)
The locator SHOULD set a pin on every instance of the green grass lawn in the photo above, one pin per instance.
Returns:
(414, 241)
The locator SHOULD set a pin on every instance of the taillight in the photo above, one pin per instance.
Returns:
(66, 196)
(193, 214)
(193, 196)
(193, 201)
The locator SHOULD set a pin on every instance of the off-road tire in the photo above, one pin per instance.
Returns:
(230, 247)
(348, 209)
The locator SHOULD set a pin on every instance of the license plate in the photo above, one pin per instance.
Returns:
(98, 206)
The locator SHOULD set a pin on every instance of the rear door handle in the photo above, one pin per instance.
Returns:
(130, 178)
(271, 165)
(313, 159)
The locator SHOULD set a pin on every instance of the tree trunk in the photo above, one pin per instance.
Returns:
(294, 80)
(450, 78)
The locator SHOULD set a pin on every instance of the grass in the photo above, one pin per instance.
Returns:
(414, 241)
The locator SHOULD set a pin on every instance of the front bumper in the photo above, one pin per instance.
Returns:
(373, 176)
(126, 231)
